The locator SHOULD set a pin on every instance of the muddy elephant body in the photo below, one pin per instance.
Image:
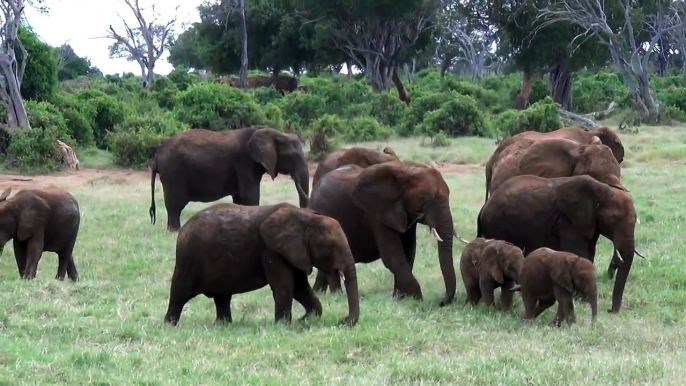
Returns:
(205, 166)
(565, 214)
(229, 249)
(486, 265)
(360, 156)
(550, 276)
(37, 221)
(378, 208)
(551, 158)
(282, 83)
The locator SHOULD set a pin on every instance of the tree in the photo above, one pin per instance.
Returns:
(40, 81)
(145, 43)
(676, 30)
(11, 72)
(71, 66)
(623, 43)
(243, 73)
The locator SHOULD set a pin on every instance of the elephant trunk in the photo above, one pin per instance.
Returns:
(350, 276)
(444, 232)
(625, 251)
(301, 178)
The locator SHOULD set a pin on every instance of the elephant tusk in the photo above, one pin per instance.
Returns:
(340, 274)
(619, 256)
(459, 238)
(435, 234)
(636, 252)
(638, 221)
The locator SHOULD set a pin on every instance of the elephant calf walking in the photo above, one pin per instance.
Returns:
(228, 249)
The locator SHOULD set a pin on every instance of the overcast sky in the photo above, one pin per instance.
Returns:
(81, 21)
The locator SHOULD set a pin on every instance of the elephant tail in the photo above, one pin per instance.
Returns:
(479, 227)
(153, 176)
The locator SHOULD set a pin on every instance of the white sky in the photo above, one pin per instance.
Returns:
(81, 21)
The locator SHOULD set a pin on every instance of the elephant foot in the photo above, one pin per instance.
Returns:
(611, 272)
(398, 295)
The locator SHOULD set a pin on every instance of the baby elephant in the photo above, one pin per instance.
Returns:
(548, 276)
(487, 264)
(228, 249)
(37, 221)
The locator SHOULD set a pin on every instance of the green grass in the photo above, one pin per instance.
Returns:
(107, 328)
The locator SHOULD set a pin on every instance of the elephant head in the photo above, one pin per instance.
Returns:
(281, 153)
(562, 157)
(307, 239)
(501, 260)
(610, 139)
(577, 276)
(20, 217)
(595, 208)
(364, 157)
(396, 196)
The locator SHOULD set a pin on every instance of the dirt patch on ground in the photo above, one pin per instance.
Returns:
(83, 176)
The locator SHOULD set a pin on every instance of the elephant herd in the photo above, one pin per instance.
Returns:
(549, 197)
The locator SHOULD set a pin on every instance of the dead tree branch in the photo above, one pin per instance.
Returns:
(144, 43)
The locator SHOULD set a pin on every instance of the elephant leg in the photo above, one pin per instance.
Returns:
(174, 201)
(506, 296)
(66, 263)
(20, 256)
(409, 240)
(472, 287)
(393, 257)
(34, 251)
(565, 306)
(573, 241)
(543, 304)
(486, 286)
(222, 303)
(530, 305)
(321, 281)
(334, 283)
(248, 190)
(303, 294)
(612, 267)
(280, 279)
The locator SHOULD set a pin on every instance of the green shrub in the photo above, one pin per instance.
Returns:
(423, 105)
(103, 111)
(264, 95)
(77, 118)
(216, 107)
(674, 97)
(182, 78)
(325, 135)
(135, 140)
(40, 80)
(364, 129)
(44, 115)
(595, 92)
(272, 116)
(542, 116)
(458, 116)
(486, 98)
(388, 109)
(302, 109)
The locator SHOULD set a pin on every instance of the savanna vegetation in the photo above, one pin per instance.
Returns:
(453, 78)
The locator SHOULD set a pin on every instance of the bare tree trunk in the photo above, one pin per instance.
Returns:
(445, 65)
(16, 113)
(349, 66)
(528, 78)
(561, 82)
(243, 73)
(402, 92)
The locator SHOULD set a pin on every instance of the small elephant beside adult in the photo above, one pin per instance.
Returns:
(486, 265)
(379, 208)
(550, 276)
(565, 214)
(205, 166)
(37, 221)
(360, 156)
(551, 158)
(228, 249)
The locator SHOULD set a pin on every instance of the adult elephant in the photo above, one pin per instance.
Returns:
(360, 156)
(205, 166)
(565, 214)
(551, 158)
(378, 208)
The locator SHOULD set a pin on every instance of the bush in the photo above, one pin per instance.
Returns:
(364, 129)
(458, 116)
(388, 109)
(542, 116)
(595, 92)
(103, 111)
(324, 134)
(77, 119)
(272, 116)
(135, 140)
(421, 106)
(485, 98)
(40, 80)
(216, 107)
(264, 95)
(302, 109)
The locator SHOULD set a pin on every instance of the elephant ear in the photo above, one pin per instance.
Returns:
(284, 233)
(262, 147)
(578, 201)
(378, 193)
(32, 217)
(491, 255)
(561, 274)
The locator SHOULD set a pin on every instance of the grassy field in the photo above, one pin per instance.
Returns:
(107, 328)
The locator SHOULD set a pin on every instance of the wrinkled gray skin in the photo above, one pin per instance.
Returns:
(205, 166)
(229, 249)
(37, 221)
